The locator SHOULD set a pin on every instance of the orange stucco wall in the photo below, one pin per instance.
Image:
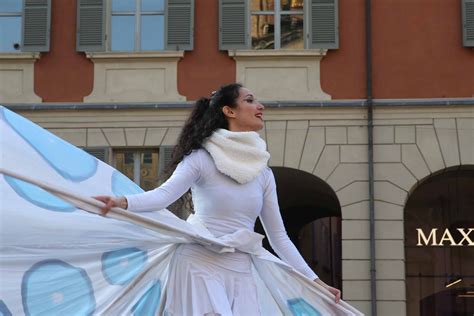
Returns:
(418, 50)
(204, 69)
(343, 69)
(62, 74)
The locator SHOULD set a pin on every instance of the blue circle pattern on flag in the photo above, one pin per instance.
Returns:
(299, 307)
(49, 146)
(38, 196)
(4, 311)
(54, 287)
(121, 266)
(149, 302)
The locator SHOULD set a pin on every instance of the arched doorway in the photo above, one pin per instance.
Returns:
(312, 216)
(439, 213)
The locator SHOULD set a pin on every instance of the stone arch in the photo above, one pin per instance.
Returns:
(442, 201)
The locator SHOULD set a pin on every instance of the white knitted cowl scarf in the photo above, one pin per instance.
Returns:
(240, 155)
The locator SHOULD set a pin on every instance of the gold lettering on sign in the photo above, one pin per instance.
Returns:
(427, 240)
(446, 238)
(466, 236)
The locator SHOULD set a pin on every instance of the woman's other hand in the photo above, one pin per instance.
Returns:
(333, 290)
(110, 202)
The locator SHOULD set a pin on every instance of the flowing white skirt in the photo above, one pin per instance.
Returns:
(205, 283)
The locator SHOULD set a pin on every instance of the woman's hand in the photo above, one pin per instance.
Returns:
(110, 202)
(333, 290)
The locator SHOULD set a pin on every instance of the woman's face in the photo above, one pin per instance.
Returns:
(248, 115)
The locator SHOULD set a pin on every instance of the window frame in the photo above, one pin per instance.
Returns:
(277, 13)
(137, 28)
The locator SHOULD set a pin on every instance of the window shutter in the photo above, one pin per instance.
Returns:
(36, 25)
(323, 24)
(165, 154)
(90, 35)
(101, 153)
(179, 24)
(233, 24)
(468, 23)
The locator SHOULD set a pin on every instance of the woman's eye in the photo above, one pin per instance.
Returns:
(249, 100)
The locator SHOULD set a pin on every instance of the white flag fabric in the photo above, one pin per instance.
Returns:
(59, 258)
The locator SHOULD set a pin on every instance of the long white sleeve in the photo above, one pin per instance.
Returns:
(186, 173)
(276, 232)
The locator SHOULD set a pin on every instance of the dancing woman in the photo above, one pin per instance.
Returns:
(222, 158)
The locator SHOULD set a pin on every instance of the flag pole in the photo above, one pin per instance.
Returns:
(94, 206)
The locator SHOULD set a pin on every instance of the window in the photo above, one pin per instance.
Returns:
(31, 16)
(10, 25)
(467, 8)
(141, 166)
(277, 24)
(137, 25)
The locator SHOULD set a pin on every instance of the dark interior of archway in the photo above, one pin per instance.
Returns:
(443, 201)
(303, 198)
(311, 213)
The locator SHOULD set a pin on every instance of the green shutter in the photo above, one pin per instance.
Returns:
(233, 24)
(323, 28)
(165, 155)
(468, 23)
(36, 24)
(101, 153)
(179, 24)
(90, 26)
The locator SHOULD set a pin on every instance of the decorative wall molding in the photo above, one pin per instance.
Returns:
(17, 78)
(135, 77)
(281, 75)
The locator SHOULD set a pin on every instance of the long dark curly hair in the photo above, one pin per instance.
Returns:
(206, 117)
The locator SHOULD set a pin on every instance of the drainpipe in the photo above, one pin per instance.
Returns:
(370, 134)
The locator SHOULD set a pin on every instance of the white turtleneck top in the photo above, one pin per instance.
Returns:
(223, 204)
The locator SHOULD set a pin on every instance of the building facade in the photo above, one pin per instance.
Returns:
(369, 118)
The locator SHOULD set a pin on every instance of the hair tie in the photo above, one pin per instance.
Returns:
(211, 98)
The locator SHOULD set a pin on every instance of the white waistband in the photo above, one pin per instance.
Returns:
(242, 239)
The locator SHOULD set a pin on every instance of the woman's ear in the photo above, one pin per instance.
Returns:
(228, 111)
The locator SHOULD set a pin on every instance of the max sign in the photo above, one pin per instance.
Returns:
(446, 238)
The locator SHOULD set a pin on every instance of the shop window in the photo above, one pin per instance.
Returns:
(140, 166)
(439, 227)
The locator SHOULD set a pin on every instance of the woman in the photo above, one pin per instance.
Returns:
(224, 161)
